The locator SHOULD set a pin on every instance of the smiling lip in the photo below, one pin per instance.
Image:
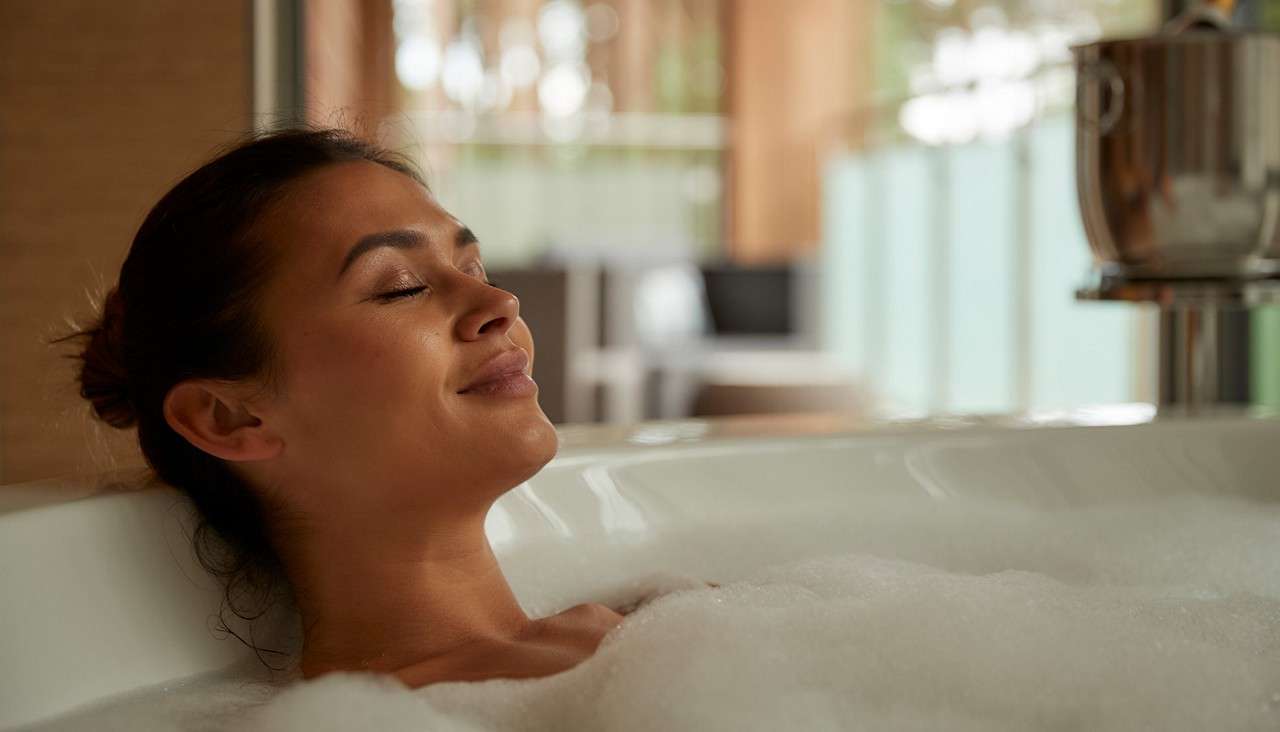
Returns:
(503, 375)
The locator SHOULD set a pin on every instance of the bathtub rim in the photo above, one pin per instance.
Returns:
(578, 442)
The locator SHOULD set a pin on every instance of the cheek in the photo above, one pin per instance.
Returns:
(360, 375)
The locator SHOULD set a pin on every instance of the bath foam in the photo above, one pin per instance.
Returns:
(864, 642)
(1164, 615)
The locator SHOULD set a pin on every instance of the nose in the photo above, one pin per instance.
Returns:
(492, 312)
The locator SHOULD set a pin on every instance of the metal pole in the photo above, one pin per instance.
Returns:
(940, 282)
(1203, 356)
(1023, 252)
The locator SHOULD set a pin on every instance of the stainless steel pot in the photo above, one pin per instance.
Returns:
(1178, 152)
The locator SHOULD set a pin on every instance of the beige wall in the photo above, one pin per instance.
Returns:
(103, 106)
(349, 66)
(797, 71)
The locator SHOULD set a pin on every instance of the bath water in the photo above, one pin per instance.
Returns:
(1160, 615)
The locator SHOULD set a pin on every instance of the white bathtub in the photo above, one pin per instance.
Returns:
(99, 594)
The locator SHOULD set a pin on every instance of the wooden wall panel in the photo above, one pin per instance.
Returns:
(796, 71)
(103, 106)
(350, 64)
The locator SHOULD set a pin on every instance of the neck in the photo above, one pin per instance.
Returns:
(383, 600)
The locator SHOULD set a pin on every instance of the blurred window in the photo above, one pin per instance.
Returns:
(952, 238)
(564, 125)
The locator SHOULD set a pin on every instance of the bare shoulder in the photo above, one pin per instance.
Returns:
(581, 627)
(550, 645)
(589, 615)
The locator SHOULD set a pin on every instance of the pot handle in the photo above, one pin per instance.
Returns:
(1104, 72)
(1207, 15)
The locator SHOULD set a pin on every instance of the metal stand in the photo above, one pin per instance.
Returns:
(1204, 356)
(1205, 343)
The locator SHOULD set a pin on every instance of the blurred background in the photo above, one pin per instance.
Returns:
(707, 207)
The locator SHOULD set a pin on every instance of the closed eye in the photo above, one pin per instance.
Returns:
(477, 270)
(399, 294)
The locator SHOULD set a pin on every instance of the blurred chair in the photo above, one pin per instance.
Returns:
(630, 337)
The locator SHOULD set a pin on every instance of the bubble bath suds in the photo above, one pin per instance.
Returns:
(1164, 615)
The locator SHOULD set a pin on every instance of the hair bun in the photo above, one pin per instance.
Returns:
(104, 379)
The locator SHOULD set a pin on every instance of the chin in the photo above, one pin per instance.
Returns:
(528, 445)
(540, 442)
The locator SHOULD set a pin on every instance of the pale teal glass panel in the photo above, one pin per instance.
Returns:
(843, 266)
(981, 308)
(881, 229)
(1081, 352)
(908, 200)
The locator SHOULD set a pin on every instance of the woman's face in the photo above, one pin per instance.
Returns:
(385, 329)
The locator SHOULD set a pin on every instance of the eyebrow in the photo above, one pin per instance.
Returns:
(464, 237)
(399, 239)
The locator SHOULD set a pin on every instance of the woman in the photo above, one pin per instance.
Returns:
(309, 347)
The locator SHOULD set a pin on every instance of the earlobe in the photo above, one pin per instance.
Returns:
(211, 417)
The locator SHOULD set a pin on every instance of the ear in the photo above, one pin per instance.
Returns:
(214, 417)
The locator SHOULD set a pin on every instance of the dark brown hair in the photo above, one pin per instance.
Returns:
(186, 307)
